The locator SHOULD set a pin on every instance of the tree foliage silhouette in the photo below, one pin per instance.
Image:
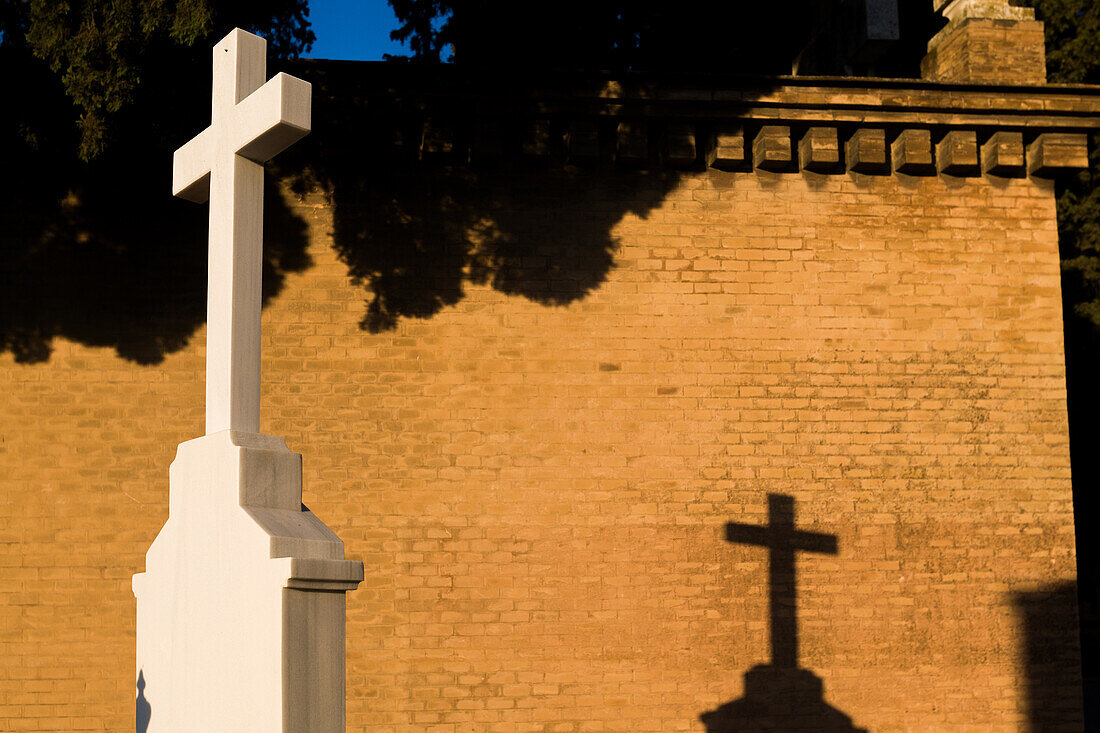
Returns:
(102, 51)
(650, 35)
(604, 34)
(1073, 57)
(98, 94)
(1072, 30)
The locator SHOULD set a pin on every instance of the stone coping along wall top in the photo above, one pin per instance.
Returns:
(444, 115)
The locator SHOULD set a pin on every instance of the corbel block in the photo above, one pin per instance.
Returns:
(819, 150)
(1055, 153)
(583, 141)
(681, 150)
(632, 142)
(912, 153)
(536, 138)
(726, 149)
(865, 152)
(957, 153)
(771, 149)
(438, 138)
(1003, 154)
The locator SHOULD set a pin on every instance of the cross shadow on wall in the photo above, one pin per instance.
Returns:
(780, 696)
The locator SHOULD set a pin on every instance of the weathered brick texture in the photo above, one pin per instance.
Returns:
(988, 51)
(539, 492)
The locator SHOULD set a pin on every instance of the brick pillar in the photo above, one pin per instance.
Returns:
(986, 41)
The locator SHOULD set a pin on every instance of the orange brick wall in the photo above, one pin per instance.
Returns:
(539, 493)
(989, 51)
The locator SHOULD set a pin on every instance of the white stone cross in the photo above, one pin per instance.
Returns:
(251, 123)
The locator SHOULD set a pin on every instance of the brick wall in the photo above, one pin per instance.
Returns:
(539, 486)
(988, 51)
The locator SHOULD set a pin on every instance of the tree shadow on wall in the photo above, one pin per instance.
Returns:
(101, 253)
(439, 178)
(1052, 658)
(93, 271)
(780, 696)
(431, 194)
(537, 235)
(426, 199)
(512, 168)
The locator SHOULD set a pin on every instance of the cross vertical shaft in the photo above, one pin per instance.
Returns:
(233, 300)
(251, 121)
(235, 262)
(782, 588)
(782, 540)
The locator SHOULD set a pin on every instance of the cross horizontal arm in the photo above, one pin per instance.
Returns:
(751, 534)
(264, 124)
(191, 166)
(814, 542)
(272, 118)
(748, 534)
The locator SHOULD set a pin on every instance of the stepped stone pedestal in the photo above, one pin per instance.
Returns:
(240, 612)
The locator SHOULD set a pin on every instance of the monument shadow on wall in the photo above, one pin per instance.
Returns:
(780, 696)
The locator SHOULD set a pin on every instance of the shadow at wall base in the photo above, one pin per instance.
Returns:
(1052, 657)
(779, 699)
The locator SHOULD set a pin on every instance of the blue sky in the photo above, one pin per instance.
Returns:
(352, 29)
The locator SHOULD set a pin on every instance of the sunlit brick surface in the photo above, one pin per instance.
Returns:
(539, 492)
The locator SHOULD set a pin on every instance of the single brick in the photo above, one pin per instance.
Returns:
(865, 151)
(819, 150)
(1003, 154)
(771, 149)
(1057, 152)
(957, 153)
(912, 153)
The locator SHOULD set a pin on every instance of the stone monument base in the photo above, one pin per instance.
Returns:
(241, 609)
